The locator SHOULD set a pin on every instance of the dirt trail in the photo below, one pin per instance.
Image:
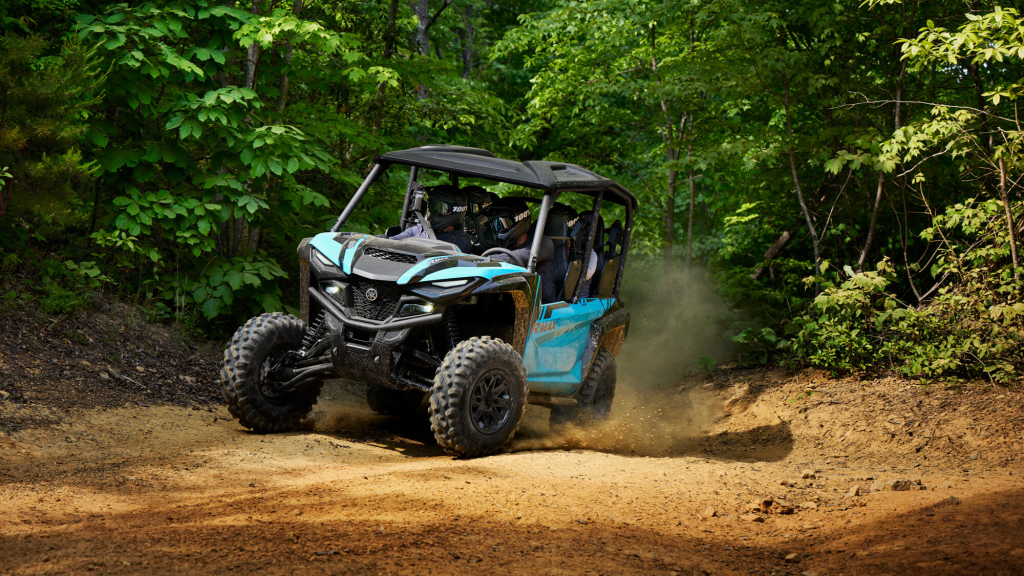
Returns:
(664, 489)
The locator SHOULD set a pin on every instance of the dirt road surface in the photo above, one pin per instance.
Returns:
(670, 486)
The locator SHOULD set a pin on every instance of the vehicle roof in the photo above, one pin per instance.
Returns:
(543, 175)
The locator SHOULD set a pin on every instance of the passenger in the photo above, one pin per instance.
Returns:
(446, 213)
(508, 226)
(577, 236)
(591, 269)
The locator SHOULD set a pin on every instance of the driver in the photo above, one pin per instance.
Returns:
(446, 213)
(508, 227)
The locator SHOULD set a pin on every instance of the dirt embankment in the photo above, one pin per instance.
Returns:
(746, 472)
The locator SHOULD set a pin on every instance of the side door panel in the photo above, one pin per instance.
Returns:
(554, 349)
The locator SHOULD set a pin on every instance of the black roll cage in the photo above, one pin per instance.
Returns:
(550, 197)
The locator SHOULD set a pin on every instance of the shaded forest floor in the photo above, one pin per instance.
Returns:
(748, 471)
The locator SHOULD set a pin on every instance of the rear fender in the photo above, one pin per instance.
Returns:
(607, 332)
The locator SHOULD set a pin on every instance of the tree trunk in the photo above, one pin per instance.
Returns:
(1009, 215)
(421, 8)
(467, 43)
(979, 91)
(389, 39)
(669, 217)
(689, 225)
(771, 254)
(874, 221)
(238, 233)
(672, 151)
(796, 179)
(253, 52)
(689, 157)
(282, 97)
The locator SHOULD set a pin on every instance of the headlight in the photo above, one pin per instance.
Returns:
(451, 283)
(337, 291)
(415, 309)
(323, 259)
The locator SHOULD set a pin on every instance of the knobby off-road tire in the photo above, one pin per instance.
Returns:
(390, 402)
(479, 397)
(242, 374)
(594, 402)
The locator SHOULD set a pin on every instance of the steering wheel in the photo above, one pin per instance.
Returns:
(512, 255)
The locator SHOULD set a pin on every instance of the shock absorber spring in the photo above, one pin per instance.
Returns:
(313, 333)
(452, 328)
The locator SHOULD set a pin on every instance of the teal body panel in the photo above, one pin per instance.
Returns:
(350, 255)
(459, 272)
(554, 350)
(325, 243)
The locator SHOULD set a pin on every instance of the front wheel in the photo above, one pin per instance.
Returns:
(479, 397)
(249, 374)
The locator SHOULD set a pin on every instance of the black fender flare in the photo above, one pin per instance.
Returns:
(607, 332)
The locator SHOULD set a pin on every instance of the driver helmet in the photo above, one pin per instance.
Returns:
(507, 219)
(446, 207)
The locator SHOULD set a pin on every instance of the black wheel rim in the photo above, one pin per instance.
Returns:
(490, 401)
(269, 384)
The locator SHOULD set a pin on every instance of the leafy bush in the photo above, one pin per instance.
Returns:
(972, 328)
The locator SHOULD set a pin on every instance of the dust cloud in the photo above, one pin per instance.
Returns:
(660, 407)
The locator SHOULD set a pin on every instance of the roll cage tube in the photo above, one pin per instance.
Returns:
(413, 172)
(591, 232)
(538, 234)
(360, 192)
(625, 250)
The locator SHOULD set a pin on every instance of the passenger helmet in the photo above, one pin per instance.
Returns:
(574, 233)
(478, 198)
(507, 220)
(446, 207)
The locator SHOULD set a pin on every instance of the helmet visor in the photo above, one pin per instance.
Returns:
(476, 207)
(502, 224)
(442, 208)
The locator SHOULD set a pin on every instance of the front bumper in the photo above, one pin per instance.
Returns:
(375, 357)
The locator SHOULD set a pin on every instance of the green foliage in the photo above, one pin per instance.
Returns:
(762, 344)
(973, 328)
(42, 102)
(176, 151)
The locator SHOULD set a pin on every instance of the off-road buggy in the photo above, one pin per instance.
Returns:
(418, 316)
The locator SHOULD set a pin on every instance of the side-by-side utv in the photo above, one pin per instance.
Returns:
(419, 316)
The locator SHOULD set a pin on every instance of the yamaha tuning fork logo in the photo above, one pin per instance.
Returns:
(371, 294)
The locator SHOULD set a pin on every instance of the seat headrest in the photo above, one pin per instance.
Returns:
(556, 226)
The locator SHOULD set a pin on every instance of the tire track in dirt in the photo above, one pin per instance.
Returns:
(164, 489)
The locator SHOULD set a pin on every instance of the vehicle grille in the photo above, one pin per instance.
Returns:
(384, 306)
(390, 256)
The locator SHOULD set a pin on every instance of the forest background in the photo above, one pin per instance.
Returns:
(845, 173)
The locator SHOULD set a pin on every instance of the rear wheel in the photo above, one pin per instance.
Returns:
(479, 397)
(249, 374)
(390, 402)
(594, 402)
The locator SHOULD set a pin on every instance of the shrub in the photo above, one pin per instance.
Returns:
(972, 328)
